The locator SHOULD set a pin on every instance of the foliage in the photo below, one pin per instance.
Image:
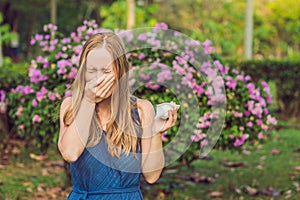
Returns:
(5, 35)
(285, 74)
(12, 74)
(115, 15)
(51, 73)
(276, 25)
(33, 14)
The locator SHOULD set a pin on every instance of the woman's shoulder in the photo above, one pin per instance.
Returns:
(145, 109)
(65, 102)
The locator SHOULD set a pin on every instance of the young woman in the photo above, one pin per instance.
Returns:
(108, 136)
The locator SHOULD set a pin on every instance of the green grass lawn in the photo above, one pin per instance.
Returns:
(261, 170)
(25, 178)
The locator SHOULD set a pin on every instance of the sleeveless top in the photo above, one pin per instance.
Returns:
(98, 175)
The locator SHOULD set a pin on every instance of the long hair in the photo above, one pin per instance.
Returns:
(121, 133)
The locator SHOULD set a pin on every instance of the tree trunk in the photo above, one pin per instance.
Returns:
(4, 127)
(130, 15)
(53, 11)
(248, 30)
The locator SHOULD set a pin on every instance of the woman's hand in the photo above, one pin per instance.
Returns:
(97, 89)
(161, 125)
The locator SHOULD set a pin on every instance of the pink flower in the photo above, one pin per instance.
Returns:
(32, 41)
(51, 96)
(152, 86)
(249, 124)
(38, 37)
(2, 95)
(176, 33)
(40, 94)
(21, 127)
(36, 118)
(164, 75)
(46, 65)
(204, 142)
(68, 93)
(160, 26)
(34, 103)
(260, 135)
(144, 76)
(178, 69)
(266, 111)
(36, 75)
(247, 78)
(195, 138)
(239, 140)
(66, 40)
(40, 59)
(142, 56)
(264, 127)
(72, 74)
(250, 87)
(61, 71)
(264, 84)
(259, 122)
(58, 96)
(207, 47)
(19, 111)
(230, 83)
(206, 43)
(142, 37)
(271, 120)
(247, 113)
(68, 85)
(240, 78)
(237, 114)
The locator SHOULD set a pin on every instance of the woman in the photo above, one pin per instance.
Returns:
(107, 164)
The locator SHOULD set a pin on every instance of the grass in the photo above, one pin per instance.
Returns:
(25, 178)
(260, 170)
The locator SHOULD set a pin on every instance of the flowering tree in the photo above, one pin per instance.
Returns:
(51, 73)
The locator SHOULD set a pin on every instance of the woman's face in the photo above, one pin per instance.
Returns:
(99, 62)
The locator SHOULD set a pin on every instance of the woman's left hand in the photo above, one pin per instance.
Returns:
(161, 125)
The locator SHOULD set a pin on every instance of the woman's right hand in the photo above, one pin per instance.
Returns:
(97, 89)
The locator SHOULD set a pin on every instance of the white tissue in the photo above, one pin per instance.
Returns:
(163, 108)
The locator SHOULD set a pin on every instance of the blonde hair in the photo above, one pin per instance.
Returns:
(121, 133)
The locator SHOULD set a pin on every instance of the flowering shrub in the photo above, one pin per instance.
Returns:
(2, 101)
(50, 74)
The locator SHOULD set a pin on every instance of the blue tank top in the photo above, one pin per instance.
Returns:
(98, 175)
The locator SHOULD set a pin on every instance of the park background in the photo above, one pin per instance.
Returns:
(257, 39)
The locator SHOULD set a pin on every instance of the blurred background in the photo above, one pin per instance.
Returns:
(275, 32)
(260, 38)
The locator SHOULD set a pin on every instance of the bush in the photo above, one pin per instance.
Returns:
(50, 75)
(285, 74)
(12, 74)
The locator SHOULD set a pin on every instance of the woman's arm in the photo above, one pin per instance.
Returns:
(152, 152)
(72, 139)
